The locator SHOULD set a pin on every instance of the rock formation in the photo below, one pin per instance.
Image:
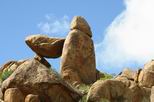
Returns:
(126, 84)
(78, 56)
(45, 46)
(33, 80)
(11, 65)
(130, 79)
(146, 77)
(152, 94)
(32, 77)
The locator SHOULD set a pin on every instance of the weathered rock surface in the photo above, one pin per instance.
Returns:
(1, 94)
(32, 98)
(130, 79)
(45, 46)
(78, 58)
(152, 94)
(139, 94)
(146, 77)
(13, 95)
(32, 77)
(112, 90)
(8, 68)
(11, 65)
(81, 24)
(1, 100)
(127, 76)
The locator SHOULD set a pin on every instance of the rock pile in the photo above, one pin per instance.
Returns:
(32, 77)
(137, 86)
(33, 80)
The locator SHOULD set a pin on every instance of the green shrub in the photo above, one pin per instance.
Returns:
(107, 76)
(4, 75)
(84, 88)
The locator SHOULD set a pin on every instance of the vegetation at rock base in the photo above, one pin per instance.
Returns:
(4, 75)
(106, 76)
(85, 88)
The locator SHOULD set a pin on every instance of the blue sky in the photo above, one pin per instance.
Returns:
(20, 18)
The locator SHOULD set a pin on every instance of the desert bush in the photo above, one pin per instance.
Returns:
(4, 75)
(106, 76)
(84, 89)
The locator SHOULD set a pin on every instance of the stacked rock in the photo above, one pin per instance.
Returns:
(78, 56)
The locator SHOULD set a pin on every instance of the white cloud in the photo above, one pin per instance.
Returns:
(130, 37)
(55, 26)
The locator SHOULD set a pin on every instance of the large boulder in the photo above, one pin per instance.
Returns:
(45, 46)
(13, 95)
(111, 90)
(81, 24)
(146, 76)
(33, 77)
(78, 58)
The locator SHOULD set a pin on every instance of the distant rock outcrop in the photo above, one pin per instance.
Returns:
(146, 77)
(78, 56)
(127, 76)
